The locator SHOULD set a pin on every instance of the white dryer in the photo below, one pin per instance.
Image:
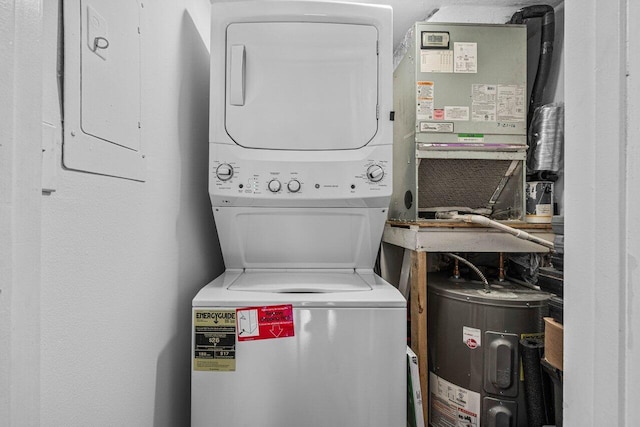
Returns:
(299, 331)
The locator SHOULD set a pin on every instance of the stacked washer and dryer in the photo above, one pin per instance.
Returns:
(298, 330)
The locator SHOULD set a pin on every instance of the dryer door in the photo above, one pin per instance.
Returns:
(301, 86)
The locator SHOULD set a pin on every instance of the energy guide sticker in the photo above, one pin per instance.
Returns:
(214, 340)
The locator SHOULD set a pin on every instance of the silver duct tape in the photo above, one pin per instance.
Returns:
(546, 138)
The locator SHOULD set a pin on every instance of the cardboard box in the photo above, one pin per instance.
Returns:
(553, 338)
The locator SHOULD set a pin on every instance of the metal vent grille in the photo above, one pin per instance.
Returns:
(459, 182)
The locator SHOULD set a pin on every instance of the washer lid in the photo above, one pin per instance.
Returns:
(300, 282)
(301, 288)
(301, 85)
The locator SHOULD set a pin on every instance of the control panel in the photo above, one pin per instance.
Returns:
(233, 179)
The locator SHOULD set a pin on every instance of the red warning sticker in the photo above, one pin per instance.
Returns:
(268, 322)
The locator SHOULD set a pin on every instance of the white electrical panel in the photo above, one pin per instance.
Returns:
(102, 88)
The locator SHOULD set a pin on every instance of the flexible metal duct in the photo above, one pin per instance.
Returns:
(546, 137)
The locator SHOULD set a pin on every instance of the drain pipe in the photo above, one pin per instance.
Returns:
(547, 36)
(486, 222)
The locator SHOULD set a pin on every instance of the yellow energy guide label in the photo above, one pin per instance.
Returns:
(214, 342)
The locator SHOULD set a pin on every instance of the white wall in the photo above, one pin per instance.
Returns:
(631, 245)
(602, 309)
(20, 106)
(121, 260)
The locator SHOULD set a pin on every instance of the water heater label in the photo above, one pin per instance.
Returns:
(451, 405)
(471, 337)
(214, 340)
(268, 322)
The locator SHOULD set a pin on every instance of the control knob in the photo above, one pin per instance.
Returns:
(224, 172)
(375, 173)
(274, 185)
(294, 185)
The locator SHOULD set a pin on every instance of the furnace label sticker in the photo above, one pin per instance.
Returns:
(424, 96)
(471, 337)
(452, 406)
(453, 113)
(436, 61)
(510, 103)
(425, 90)
(483, 106)
(465, 56)
(261, 323)
(214, 340)
(436, 127)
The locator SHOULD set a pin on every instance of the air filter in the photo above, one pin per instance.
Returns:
(469, 185)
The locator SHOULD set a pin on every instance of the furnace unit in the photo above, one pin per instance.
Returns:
(460, 138)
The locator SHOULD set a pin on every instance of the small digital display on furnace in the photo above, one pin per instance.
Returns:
(435, 40)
